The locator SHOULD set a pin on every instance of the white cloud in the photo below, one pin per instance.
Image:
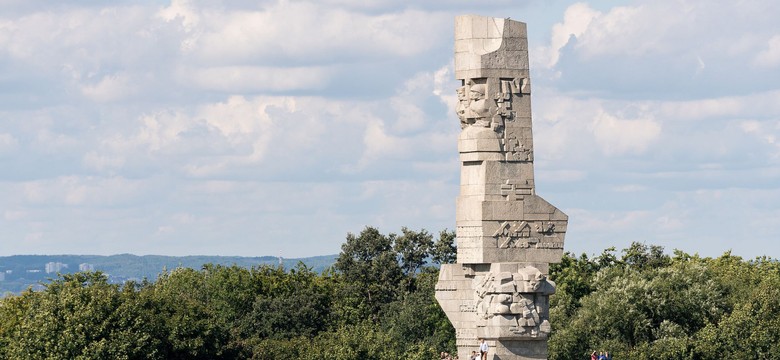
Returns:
(236, 135)
(409, 116)
(214, 137)
(575, 129)
(262, 79)
(558, 176)
(306, 31)
(704, 108)
(109, 88)
(81, 191)
(618, 136)
(769, 57)
(84, 39)
(622, 30)
(648, 28)
(181, 10)
(630, 188)
(51, 142)
(657, 48)
(103, 163)
(7, 143)
(159, 128)
(569, 126)
(576, 20)
(378, 143)
(443, 84)
(766, 132)
(607, 221)
(14, 215)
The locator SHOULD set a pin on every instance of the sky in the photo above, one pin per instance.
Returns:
(276, 127)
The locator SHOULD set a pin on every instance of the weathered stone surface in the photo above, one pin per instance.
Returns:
(506, 234)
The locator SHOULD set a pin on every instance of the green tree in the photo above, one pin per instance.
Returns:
(642, 256)
(444, 250)
(77, 316)
(752, 329)
(417, 322)
(413, 248)
(180, 303)
(638, 310)
(371, 273)
(298, 307)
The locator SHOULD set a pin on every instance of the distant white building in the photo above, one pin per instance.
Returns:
(86, 267)
(54, 267)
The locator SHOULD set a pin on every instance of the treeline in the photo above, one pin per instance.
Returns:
(377, 302)
(646, 304)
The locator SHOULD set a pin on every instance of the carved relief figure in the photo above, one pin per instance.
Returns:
(463, 105)
(515, 303)
(475, 108)
(479, 105)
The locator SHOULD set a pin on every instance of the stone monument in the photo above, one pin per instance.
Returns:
(506, 235)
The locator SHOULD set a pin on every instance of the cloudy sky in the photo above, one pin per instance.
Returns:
(274, 127)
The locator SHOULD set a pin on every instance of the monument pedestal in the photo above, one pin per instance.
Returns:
(507, 304)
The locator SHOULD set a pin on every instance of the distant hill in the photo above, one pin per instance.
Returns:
(19, 272)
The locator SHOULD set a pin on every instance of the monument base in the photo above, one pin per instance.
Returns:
(504, 303)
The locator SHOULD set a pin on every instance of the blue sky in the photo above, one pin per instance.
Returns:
(276, 127)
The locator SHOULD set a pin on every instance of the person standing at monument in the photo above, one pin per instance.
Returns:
(483, 349)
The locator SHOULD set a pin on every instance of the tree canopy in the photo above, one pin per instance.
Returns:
(377, 302)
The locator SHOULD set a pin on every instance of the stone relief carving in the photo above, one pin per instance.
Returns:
(520, 234)
(509, 88)
(515, 150)
(463, 105)
(514, 189)
(475, 107)
(481, 108)
(514, 304)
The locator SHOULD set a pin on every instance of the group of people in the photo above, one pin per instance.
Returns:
(475, 355)
(483, 351)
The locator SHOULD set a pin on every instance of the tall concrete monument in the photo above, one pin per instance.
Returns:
(506, 235)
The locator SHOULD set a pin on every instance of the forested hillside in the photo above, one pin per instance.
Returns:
(377, 302)
(22, 271)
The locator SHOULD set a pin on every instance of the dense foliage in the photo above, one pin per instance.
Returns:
(649, 305)
(377, 302)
